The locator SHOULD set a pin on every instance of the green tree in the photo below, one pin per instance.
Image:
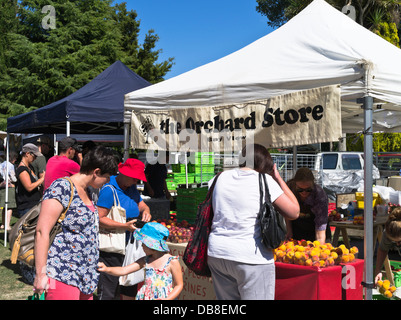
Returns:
(43, 63)
(382, 142)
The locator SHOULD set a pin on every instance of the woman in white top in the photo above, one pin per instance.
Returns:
(242, 268)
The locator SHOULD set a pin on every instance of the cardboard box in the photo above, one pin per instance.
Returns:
(195, 287)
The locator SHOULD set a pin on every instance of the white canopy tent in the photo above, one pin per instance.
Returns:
(319, 47)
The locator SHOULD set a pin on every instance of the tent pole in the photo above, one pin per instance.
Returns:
(126, 140)
(6, 195)
(67, 129)
(294, 160)
(368, 188)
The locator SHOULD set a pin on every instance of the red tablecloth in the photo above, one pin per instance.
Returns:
(340, 282)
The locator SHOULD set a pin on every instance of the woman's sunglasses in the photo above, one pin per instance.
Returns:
(304, 190)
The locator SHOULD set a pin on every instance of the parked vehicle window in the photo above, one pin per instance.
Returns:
(351, 162)
(330, 161)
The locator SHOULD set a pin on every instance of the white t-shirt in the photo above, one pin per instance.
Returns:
(235, 233)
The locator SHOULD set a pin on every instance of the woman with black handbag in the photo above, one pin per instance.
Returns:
(242, 267)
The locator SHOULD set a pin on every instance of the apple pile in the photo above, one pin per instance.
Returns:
(335, 216)
(180, 232)
(308, 253)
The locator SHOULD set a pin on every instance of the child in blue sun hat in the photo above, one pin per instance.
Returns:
(163, 274)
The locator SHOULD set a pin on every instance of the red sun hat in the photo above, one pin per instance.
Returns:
(133, 168)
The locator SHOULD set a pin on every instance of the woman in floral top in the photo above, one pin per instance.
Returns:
(66, 268)
(163, 274)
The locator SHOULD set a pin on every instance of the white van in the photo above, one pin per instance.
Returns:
(339, 161)
(341, 172)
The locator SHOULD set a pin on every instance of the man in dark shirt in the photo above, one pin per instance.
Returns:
(156, 186)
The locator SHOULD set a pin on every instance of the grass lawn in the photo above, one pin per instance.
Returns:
(12, 287)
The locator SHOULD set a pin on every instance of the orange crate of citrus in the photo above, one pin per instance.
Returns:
(313, 253)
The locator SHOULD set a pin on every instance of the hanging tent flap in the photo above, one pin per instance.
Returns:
(308, 116)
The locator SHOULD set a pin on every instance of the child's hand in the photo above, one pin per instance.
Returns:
(101, 267)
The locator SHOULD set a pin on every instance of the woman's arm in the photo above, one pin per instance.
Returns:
(287, 203)
(145, 211)
(122, 271)
(49, 213)
(289, 229)
(177, 278)
(381, 256)
(321, 236)
(26, 181)
(108, 223)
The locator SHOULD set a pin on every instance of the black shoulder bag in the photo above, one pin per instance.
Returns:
(271, 222)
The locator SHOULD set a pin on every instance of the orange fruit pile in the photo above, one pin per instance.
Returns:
(308, 253)
(385, 288)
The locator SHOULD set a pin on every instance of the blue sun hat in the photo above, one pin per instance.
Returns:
(153, 235)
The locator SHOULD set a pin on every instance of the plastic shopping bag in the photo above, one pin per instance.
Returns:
(133, 252)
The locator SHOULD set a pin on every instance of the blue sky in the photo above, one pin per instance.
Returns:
(199, 32)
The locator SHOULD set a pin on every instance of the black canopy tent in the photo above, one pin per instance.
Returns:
(97, 107)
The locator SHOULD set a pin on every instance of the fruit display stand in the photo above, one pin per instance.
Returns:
(338, 282)
(195, 287)
(307, 270)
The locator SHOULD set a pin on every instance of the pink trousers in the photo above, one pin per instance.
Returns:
(61, 291)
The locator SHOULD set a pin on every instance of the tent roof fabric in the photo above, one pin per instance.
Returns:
(320, 46)
(96, 107)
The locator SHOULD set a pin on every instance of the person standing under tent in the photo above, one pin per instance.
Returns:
(28, 193)
(67, 268)
(62, 165)
(12, 179)
(163, 274)
(156, 185)
(242, 267)
(130, 173)
(312, 223)
(391, 239)
(45, 148)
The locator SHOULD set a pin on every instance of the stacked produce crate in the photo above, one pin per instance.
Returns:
(188, 201)
(202, 170)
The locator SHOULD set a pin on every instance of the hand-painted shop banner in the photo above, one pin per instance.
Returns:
(303, 117)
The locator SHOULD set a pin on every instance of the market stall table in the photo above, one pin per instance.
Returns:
(195, 287)
(378, 224)
(338, 282)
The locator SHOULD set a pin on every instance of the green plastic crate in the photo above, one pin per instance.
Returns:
(204, 157)
(206, 168)
(204, 177)
(397, 274)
